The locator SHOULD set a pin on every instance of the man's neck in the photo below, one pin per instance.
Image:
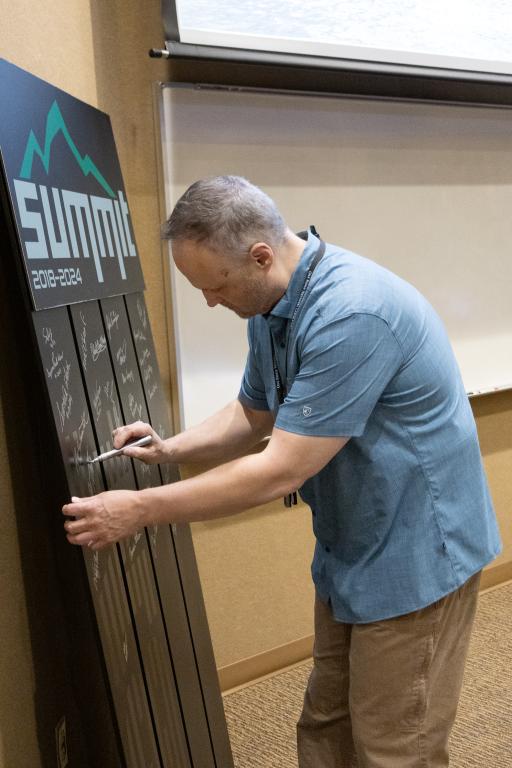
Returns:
(290, 254)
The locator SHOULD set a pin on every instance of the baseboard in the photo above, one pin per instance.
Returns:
(494, 575)
(247, 670)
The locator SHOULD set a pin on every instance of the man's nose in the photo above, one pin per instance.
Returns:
(211, 299)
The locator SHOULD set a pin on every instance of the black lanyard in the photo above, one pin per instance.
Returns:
(291, 498)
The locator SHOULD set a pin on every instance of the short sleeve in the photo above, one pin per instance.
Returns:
(345, 366)
(252, 389)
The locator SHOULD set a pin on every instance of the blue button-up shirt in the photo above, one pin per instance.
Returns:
(402, 514)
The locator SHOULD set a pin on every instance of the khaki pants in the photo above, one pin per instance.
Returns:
(384, 695)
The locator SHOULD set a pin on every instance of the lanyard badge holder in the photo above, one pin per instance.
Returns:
(291, 498)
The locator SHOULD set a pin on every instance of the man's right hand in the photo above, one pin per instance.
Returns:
(154, 453)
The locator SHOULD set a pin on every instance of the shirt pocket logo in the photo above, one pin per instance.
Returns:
(307, 410)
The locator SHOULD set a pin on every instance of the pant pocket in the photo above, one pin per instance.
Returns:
(415, 714)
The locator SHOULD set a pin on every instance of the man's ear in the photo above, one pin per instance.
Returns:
(262, 254)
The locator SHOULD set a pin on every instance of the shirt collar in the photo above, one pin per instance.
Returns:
(286, 305)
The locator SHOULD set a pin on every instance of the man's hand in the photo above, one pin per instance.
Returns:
(103, 519)
(285, 465)
(154, 453)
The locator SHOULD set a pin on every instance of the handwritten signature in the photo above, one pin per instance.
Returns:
(135, 408)
(81, 429)
(57, 358)
(64, 407)
(127, 376)
(96, 572)
(48, 337)
(121, 353)
(96, 400)
(97, 347)
(67, 374)
(133, 545)
(112, 320)
(109, 391)
(83, 342)
(142, 313)
(152, 391)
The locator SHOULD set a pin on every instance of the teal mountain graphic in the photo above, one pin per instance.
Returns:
(54, 125)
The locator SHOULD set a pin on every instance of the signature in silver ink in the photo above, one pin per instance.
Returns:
(81, 429)
(91, 485)
(64, 407)
(57, 358)
(133, 544)
(96, 572)
(109, 391)
(152, 391)
(76, 458)
(135, 408)
(83, 340)
(121, 353)
(96, 401)
(112, 320)
(144, 357)
(97, 347)
(67, 374)
(48, 337)
(142, 313)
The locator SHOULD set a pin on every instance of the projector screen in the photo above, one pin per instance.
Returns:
(468, 35)
(425, 190)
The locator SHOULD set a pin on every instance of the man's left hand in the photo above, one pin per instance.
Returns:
(103, 519)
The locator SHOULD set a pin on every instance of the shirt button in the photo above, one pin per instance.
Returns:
(327, 549)
(282, 345)
(313, 513)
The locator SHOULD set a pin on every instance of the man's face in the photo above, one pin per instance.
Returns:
(242, 286)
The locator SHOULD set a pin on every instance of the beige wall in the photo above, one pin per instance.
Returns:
(493, 415)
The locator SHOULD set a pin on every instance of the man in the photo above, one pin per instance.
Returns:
(351, 373)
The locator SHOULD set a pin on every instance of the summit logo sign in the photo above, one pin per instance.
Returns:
(67, 195)
(70, 224)
(54, 125)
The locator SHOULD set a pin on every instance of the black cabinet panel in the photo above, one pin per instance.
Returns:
(107, 413)
(77, 441)
(128, 346)
(127, 376)
(207, 681)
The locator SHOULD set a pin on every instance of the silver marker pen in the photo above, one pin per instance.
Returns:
(119, 451)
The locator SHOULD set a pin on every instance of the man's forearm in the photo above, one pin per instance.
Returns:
(240, 484)
(286, 463)
(226, 434)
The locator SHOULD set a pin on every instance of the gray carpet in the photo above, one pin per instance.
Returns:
(261, 718)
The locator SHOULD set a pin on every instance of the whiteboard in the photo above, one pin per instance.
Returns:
(424, 190)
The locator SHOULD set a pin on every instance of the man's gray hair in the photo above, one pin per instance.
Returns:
(226, 213)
